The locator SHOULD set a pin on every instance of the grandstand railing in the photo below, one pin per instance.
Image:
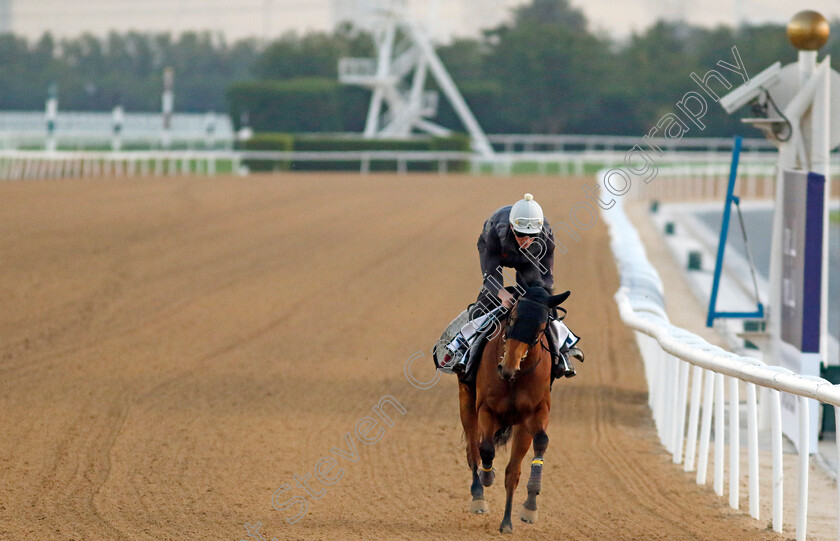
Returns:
(673, 357)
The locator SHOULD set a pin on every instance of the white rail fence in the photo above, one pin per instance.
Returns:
(678, 178)
(76, 129)
(22, 164)
(687, 378)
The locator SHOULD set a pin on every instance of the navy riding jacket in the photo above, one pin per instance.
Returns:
(498, 248)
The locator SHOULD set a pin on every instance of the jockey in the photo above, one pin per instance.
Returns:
(517, 237)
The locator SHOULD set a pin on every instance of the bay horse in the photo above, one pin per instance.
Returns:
(511, 397)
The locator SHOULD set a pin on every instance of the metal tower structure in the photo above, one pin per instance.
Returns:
(397, 77)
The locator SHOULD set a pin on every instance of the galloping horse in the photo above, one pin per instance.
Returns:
(511, 393)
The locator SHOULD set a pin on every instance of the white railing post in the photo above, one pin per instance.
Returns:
(706, 428)
(752, 442)
(719, 434)
(734, 444)
(778, 464)
(837, 447)
(661, 391)
(682, 396)
(693, 417)
(671, 402)
(804, 463)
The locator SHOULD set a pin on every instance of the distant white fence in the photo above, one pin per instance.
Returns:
(682, 175)
(675, 358)
(22, 164)
(28, 129)
(30, 164)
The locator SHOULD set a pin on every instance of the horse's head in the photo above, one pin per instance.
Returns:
(528, 319)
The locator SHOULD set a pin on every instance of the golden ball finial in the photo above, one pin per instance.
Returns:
(808, 30)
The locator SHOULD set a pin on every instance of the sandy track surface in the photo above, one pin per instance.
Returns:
(174, 351)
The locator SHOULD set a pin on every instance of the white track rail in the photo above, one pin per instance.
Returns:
(674, 357)
(32, 164)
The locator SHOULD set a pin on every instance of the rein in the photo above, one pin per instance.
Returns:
(538, 341)
(533, 367)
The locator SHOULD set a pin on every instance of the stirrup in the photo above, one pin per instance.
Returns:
(568, 370)
(459, 367)
(563, 367)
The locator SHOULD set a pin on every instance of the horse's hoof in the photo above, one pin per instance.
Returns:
(506, 527)
(479, 507)
(527, 515)
(486, 477)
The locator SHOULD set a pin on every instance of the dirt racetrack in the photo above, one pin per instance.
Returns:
(174, 351)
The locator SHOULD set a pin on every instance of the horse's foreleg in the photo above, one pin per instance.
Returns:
(469, 420)
(487, 427)
(521, 443)
(529, 508)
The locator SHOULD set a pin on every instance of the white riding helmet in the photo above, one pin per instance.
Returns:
(526, 216)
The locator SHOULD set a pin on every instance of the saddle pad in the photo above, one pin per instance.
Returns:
(449, 333)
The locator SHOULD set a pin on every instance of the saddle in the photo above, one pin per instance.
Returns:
(474, 355)
(462, 343)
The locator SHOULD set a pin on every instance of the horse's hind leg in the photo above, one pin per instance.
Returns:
(521, 443)
(469, 420)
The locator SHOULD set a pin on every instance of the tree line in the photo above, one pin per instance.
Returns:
(545, 71)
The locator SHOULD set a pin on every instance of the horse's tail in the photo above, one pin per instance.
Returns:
(502, 436)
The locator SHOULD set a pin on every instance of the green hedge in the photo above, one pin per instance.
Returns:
(269, 141)
(302, 105)
(279, 141)
(298, 105)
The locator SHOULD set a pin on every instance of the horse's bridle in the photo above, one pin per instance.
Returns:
(527, 351)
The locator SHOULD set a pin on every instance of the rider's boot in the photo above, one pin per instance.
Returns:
(576, 353)
(562, 366)
(567, 369)
(460, 367)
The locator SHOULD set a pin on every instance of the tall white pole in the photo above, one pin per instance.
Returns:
(117, 119)
(51, 114)
(167, 106)
(820, 151)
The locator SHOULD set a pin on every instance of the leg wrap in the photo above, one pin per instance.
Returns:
(485, 470)
(535, 480)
